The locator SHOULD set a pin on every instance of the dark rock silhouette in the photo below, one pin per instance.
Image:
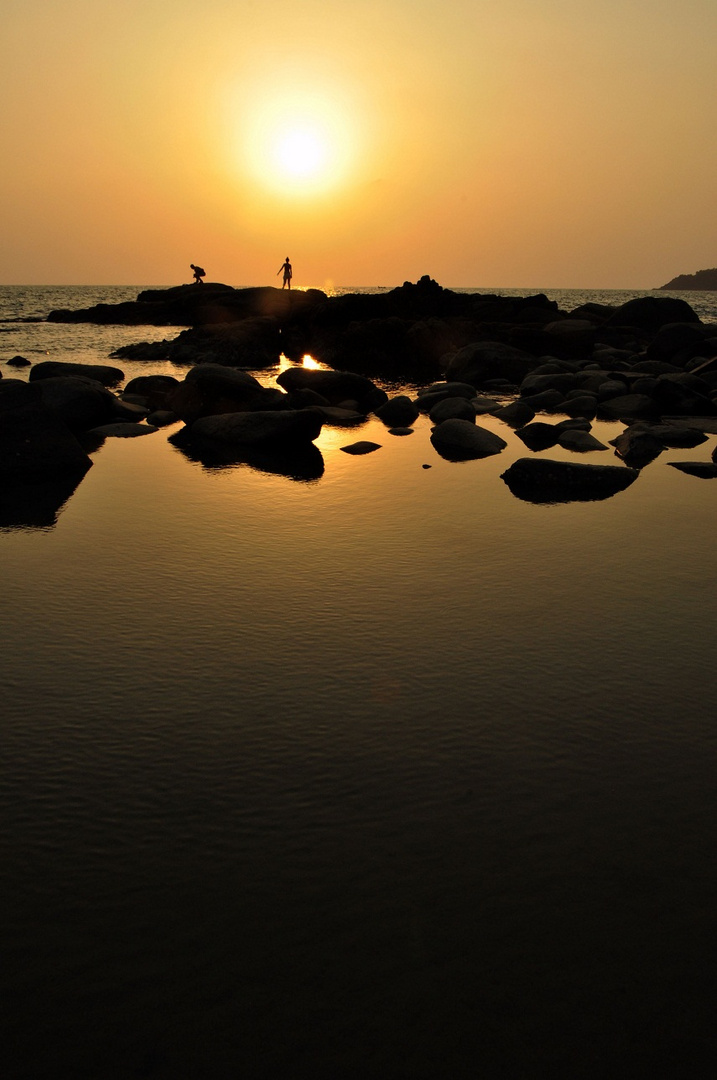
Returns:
(258, 428)
(335, 386)
(461, 440)
(539, 480)
(101, 373)
(211, 389)
(702, 279)
(302, 462)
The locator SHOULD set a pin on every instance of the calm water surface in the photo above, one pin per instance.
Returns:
(386, 773)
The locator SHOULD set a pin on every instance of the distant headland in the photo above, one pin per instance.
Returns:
(703, 279)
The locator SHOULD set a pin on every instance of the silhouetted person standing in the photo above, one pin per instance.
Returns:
(198, 273)
(286, 267)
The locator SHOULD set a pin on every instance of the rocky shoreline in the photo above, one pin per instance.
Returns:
(650, 364)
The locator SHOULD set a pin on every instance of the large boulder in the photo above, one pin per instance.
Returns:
(399, 411)
(485, 360)
(461, 440)
(335, 386)
(539, 480)
(259, 428)
(652, 313)
(459, 408)
(211, 389)
(82, 403)
(101, 373)
(36, 445)
(153, 388)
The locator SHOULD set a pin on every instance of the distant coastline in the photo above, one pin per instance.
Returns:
(703, 279)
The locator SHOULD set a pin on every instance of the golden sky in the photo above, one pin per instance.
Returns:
(505, 143)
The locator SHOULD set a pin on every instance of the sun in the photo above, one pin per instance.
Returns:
(301, 152)
(298, 148)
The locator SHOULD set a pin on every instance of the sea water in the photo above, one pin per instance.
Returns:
(384, 773)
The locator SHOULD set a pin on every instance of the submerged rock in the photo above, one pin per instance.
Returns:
(122, 430)
(363, 447)
(539, 480)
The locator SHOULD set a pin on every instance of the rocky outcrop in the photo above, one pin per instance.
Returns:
(703, 279)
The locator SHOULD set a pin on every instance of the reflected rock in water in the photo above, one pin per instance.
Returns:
(35, 506)
(303, 463)
(538, 480)
(706, 470)
(41, 460)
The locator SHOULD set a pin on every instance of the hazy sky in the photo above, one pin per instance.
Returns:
(523, 143)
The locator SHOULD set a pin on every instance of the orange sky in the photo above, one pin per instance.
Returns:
(497, 144)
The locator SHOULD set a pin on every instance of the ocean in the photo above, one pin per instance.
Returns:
(382, 773)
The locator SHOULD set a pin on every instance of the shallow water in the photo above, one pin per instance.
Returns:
(386, 773)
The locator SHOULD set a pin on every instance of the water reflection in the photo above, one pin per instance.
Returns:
(302, 463)
(35, 506)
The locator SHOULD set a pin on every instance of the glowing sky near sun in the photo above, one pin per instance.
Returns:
(502, 143)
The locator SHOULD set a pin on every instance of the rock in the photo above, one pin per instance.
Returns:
(251, 343)
(545, 401)
(628, 406)
(484, 360)
(81, 403)
(128, 410)
(303, 398)
(211, 389)
(461, 440)
(484, 405)
(154, 388)
(459, 408)
(36, 445)
(637, 446)
(162, 418)
(364, 447)
(101, 373)
(538, 436)
(581, 405)
(582, 442)
(256, 428)
(18, 361)
(517, 414)
(122, 430)
(399, 411)
(539, 480)
(400, 431)
(652, 313)
(448, 389)
(335, 386)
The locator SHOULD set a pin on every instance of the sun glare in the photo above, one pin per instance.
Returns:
(302, 147)
(300, 152)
